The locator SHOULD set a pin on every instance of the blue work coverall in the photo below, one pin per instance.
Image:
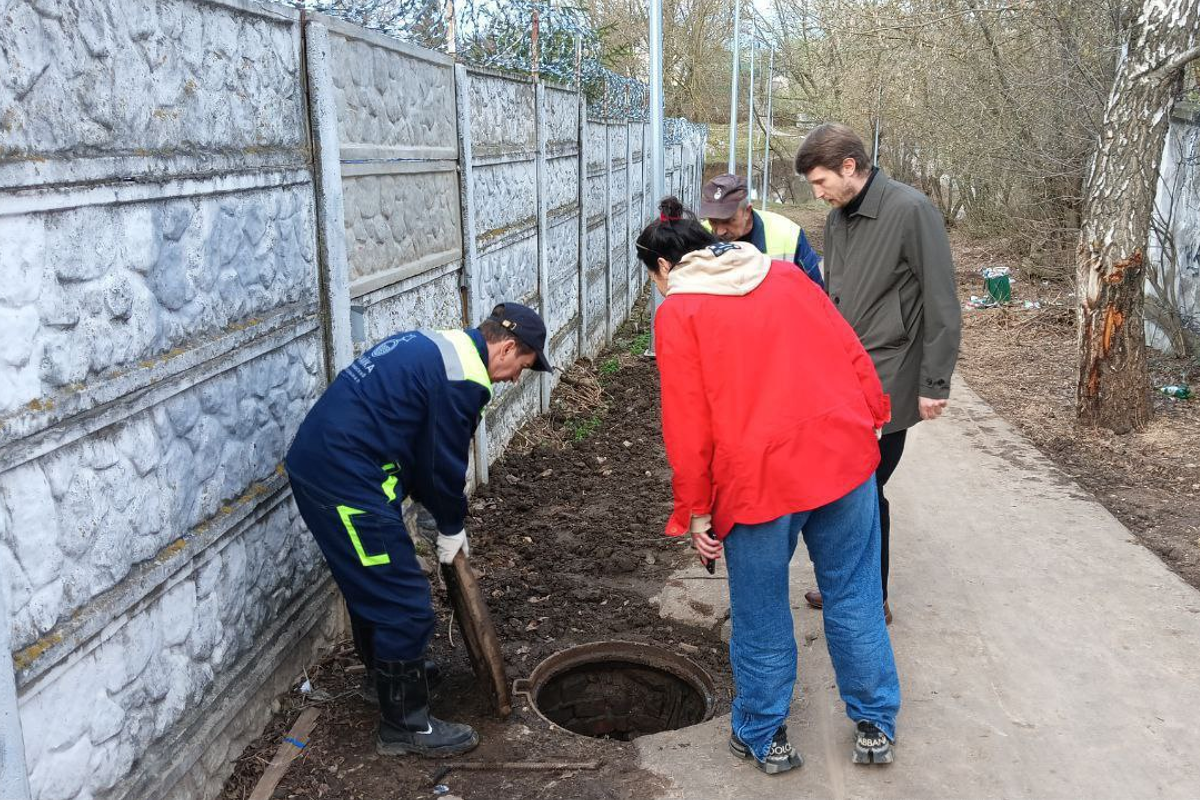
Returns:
(396, 423)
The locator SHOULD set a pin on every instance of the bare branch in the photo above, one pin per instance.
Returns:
(1173, 67)
(932, 22)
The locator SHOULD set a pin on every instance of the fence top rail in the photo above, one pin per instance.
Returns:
(273, 11)
(488, 72)
(348, 30)
(616, 120)
(515, 77)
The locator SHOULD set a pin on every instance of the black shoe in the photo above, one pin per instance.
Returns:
(872, 746)
(405, 724)
(781, 756)
(370, 692)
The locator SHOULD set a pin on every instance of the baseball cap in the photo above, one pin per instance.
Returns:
(720, 197)
(525, 324)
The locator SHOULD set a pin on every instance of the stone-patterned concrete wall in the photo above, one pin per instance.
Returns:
(596, 235)
(201, 219)
(562, 115)
(618, 221)
(161, 344)
(396, 123)
(504, 176)
(1174, 251)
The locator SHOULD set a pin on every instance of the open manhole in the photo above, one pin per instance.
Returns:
(619, 690)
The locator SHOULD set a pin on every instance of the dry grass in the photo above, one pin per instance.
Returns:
(579, 401)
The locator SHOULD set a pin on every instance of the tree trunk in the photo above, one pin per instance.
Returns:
(1113, 384)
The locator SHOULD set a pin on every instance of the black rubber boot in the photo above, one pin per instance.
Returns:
(363, 634)
(370, 690)
(405, 724)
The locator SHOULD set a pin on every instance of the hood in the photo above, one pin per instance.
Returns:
(729, 268)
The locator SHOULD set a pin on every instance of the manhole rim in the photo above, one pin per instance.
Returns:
(648, 655)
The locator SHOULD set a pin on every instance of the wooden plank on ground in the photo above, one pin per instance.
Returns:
(291, 746)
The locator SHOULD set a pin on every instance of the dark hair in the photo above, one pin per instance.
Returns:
(828, 145)
(494, 332)
(673, 235)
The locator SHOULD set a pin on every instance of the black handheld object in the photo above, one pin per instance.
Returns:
(711, 564)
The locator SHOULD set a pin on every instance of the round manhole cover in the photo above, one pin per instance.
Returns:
(619, 690)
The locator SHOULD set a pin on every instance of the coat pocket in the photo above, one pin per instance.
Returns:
(885, 330)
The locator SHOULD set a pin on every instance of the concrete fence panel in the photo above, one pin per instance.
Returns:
(158, 253)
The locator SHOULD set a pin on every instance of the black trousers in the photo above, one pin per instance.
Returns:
(891, 448)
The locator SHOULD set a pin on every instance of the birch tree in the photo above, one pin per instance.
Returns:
(1113, 386)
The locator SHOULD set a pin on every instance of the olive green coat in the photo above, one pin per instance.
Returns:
(889, 272)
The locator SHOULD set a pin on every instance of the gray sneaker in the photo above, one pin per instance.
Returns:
(871, 745)
(781, 756)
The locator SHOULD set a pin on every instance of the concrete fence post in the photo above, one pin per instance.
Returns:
(331, 228)
(14, 784)
(581, 125)
(630, 220)
(470, 264)
(608, 233)
(541, 169)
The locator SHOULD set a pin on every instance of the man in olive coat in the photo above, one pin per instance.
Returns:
(889, 272)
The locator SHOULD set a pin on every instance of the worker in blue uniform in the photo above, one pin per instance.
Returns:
(398, 423)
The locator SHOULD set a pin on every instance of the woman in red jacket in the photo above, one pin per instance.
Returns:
(771, 410)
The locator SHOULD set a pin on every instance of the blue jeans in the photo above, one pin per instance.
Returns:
(843, 543)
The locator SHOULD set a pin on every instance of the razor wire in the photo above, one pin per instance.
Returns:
(499, 35)
(678, 129)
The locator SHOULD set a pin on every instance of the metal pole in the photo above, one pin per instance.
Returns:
(535, 57)
(579, 62)
(13, 781)
(750, 129)
(733, 86)
(766, 187)
(878, 114)
(657, 175)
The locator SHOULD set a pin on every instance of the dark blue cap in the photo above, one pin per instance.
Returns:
(525, 324)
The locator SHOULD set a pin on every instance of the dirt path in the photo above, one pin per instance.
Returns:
(1022, 361)
(567, 538)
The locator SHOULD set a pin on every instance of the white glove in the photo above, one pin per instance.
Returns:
(448, 546)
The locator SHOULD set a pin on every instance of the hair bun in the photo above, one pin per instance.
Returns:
(670, 208)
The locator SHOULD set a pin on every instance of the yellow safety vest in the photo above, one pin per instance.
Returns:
(460, 357)
(780, 234)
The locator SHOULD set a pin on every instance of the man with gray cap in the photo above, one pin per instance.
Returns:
(398, 423)
(725, 206)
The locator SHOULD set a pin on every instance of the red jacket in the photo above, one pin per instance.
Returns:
(769, 403)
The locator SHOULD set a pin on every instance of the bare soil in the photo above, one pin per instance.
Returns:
(1023, 362)
(567, 539)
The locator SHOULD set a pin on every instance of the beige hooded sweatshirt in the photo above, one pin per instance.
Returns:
(729, 268)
